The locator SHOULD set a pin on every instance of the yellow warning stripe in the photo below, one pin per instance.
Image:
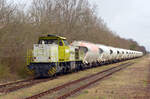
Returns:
(31, 72)
(54, 69)
(50, 72)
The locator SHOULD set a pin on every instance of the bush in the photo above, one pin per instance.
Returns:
(4, 71)
(21, 72)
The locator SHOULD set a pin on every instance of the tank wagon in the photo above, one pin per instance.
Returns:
(91, 52)
(53, 55)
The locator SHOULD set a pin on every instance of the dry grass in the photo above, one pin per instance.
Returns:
(50, 84)
(4, 73)
(7, 76)
(127, 84)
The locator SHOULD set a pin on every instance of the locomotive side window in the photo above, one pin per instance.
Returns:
(65, 42)
(60, 43)
(100, 51)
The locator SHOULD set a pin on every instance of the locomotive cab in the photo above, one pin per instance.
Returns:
(61, 42)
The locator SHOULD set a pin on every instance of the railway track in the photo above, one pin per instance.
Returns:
(72, 87)
(13, 86)
(16, 82)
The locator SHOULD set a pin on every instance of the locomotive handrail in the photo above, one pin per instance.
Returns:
(29, 56)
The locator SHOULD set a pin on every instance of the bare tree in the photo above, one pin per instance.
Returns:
(6, 11)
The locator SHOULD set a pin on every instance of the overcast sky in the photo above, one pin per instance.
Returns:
(128, 18)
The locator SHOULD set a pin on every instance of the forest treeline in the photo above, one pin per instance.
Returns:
(22, 24)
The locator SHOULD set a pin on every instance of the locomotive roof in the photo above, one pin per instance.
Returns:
(52, 37)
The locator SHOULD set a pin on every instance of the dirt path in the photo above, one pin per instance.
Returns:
(131, 83)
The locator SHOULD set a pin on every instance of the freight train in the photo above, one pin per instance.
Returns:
(53, 55)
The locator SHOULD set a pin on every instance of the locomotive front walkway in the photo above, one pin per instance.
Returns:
(130, 83)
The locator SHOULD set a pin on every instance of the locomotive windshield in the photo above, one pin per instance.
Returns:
(50, 41)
